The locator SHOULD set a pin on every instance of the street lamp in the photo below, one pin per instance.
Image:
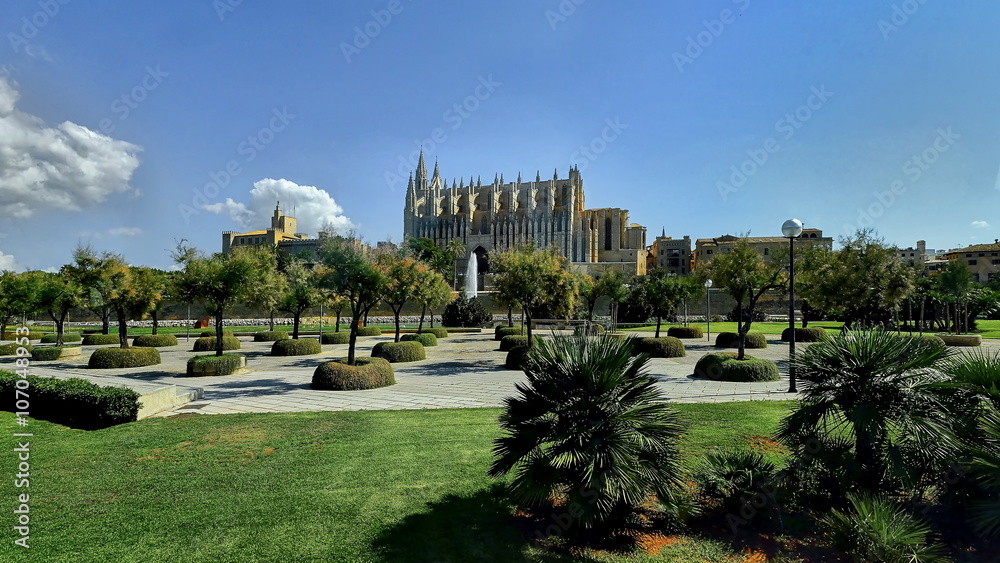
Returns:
(791, 229)
(708, 317)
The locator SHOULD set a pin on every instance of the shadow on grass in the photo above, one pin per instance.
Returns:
(459, 528)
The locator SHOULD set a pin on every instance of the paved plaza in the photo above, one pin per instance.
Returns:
(464, 370)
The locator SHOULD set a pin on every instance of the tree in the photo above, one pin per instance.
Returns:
(533, 278)
(664, 293)
(864, 281)
(403, 275)
(746, 277)
(162, 288)
(222, 280)
(954, 281)
(95, 277)
(349, 270)
(56, 294)
(298, 293)
(432, 291)
(134, 291)
(591, 425)
(590, 290)
(614, 284)
(17, 296)
(276, 282)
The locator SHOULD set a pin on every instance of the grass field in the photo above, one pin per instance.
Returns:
(988, 329)
(334, 486)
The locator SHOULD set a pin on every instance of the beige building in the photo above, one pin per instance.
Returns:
(983, 260)
(670, 254)
(499, 215)
(281, 234)
(708, 248)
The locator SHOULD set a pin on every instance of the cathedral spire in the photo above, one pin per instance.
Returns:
(538, 175)
(518, 176)
(421, 167)
(663, 234)
(437, 170)
(555, 175)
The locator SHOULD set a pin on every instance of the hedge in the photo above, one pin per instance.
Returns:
(438, 332)
(298, 347)
(74, 402)
(226, 364)
(67, 337)
(30, 335)
(366, 373)
(502, 331)
(207, 344)
(663, 347)
(732, 340)
(155, 340)
(805, 335)
(369, 331)
(112, 358)
(723, 366)
(516, 357)
(270, 336)
(336, 338)
(46, 353)
(399, 351)
(11, 349)
(507, 343)
(685, 332)
(208, 333)
(98, 339)
(425, 339)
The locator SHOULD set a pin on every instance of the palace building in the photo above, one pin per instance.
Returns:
(281, 234)
(499, 215)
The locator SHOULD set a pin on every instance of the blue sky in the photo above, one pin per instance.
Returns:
(130, 125)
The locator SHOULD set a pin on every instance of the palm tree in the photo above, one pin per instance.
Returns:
(590, 425)
(884, 400)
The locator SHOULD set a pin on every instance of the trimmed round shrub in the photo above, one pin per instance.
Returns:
(805, 335)
(725, 367)
(399, 351)
(300, 347)
(516, 357)
(226, 364)
(111, 358)
(366, 373)
(732, 340)
(507, 343)
(75, 402)
(685, 332)
(664, 347)
(207, 344)
(336, 338)
(438, 332)
(100, 339)
(464, 312)
(425, 339)
(270, 336)
(11, 349)
(208, 333)
(67, 337)
(155, 340)
(30, 335)
(47, 353)
(503, 330)
(369, 331)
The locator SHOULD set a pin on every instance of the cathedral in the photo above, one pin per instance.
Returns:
(498, 215)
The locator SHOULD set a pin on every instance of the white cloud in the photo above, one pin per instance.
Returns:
(67, 167)
(312, 207)
(980, 224)
(8, 262)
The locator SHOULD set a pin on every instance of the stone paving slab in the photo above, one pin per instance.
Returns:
(463, 371)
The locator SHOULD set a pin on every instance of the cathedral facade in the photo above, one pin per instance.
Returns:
(499, 215)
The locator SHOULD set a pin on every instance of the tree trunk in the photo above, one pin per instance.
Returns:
(366, 318)
(354, 337)
(422, 313)
(106, 320)
(395, 313)
(218, 333)
(526, 317)
(337, 329)
(657, 327)
(510, 315)
(272, 321)
(295, 324)
(741, 331)
(432, 318)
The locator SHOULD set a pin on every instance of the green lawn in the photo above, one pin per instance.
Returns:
(180, 331)
(340, 486)
(761, 327)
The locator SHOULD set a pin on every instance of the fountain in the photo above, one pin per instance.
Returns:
(471, 276)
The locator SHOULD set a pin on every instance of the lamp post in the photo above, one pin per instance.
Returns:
(791, 229)
(708, 315)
